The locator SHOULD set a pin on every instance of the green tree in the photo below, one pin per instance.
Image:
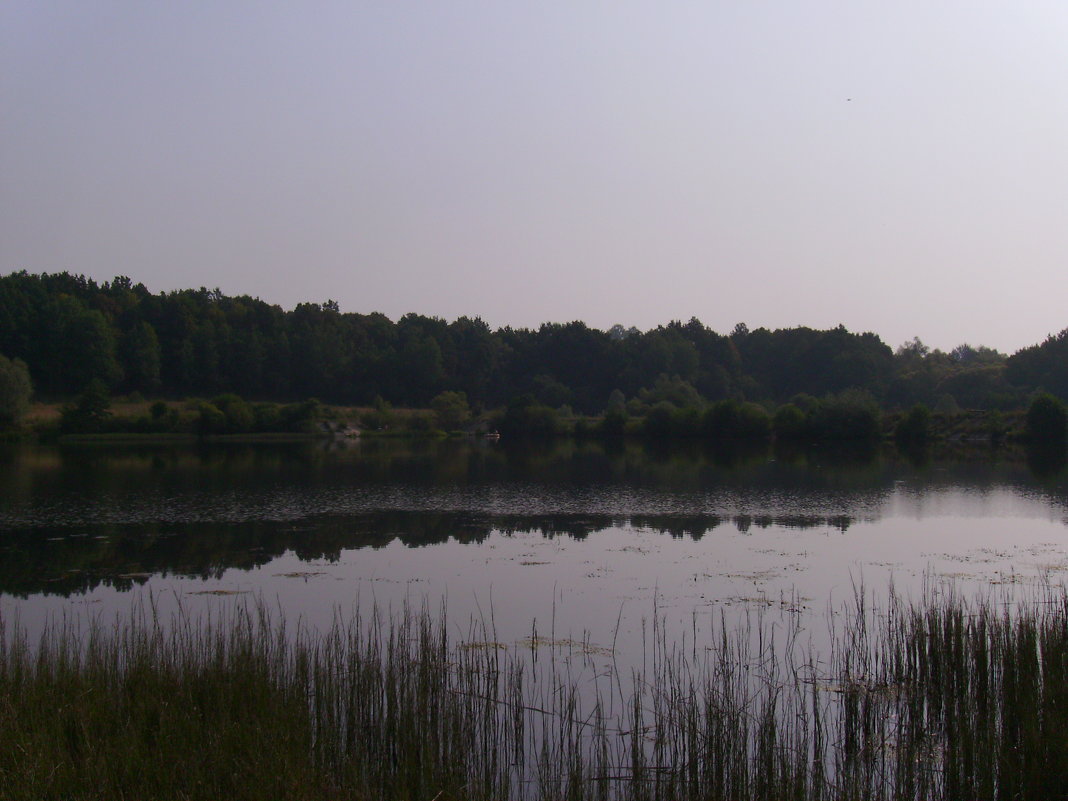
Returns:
(451, 410)
(90, 411)
(550, 392)
(16, 389)
(616, 401)
(141, 357)
(77, 346)
(1044, 365)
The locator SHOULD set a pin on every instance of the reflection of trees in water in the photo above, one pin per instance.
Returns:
(52, 538)
(57, 562)
(1045, 461)
(42, 472)
(553, 461)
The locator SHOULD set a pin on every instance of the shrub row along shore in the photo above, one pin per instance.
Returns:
(945, 698)
(848, 417)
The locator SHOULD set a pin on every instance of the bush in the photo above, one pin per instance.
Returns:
(582, 427)
(300, 416)
(239, 415)
(422, 423)
(667, 420)
(267, 417)
(210, 419)
(688, 422)
(380, 418)
(788, 422)
(90, 411)
(730, 420)
(660, 420)
(16, 390)
(161, 419)
(753, 422)
(914, 428)
(526, 416)
(852, 415)
(718, 420)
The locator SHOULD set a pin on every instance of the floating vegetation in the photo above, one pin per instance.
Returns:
(584, 647)
(483, 646)
(219, 592)
(755, 576)
(941, 698)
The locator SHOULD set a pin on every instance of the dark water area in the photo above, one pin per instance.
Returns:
(576, 536)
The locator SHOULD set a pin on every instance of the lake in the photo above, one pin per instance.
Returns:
(567, 541)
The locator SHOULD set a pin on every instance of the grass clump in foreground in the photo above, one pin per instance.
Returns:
(942, 699)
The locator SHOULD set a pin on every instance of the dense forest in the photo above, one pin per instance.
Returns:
(69, 331)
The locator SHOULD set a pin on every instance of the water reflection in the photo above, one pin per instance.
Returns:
(76, 518)
(58, 561)
(1046, 462)
(91, 485)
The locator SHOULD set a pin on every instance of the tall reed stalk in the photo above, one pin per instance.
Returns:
(944, 698)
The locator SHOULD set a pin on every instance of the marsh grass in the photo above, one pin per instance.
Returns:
(944, 698)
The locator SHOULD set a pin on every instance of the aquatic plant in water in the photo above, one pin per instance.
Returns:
(940, 698)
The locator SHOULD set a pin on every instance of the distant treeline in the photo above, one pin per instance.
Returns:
(70, 330)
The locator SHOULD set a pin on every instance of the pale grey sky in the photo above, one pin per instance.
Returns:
(899, 167)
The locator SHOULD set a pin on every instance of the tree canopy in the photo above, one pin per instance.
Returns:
(71, 331)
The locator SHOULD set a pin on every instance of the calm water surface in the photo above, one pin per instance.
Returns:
(571, 540)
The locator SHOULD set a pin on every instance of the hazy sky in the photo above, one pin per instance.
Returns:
(899, 167)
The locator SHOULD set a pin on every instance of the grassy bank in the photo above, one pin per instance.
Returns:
(945, 699)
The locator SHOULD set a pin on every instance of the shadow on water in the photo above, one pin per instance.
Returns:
(1046, 462)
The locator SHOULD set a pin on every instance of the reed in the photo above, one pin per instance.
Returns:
(944, 698)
